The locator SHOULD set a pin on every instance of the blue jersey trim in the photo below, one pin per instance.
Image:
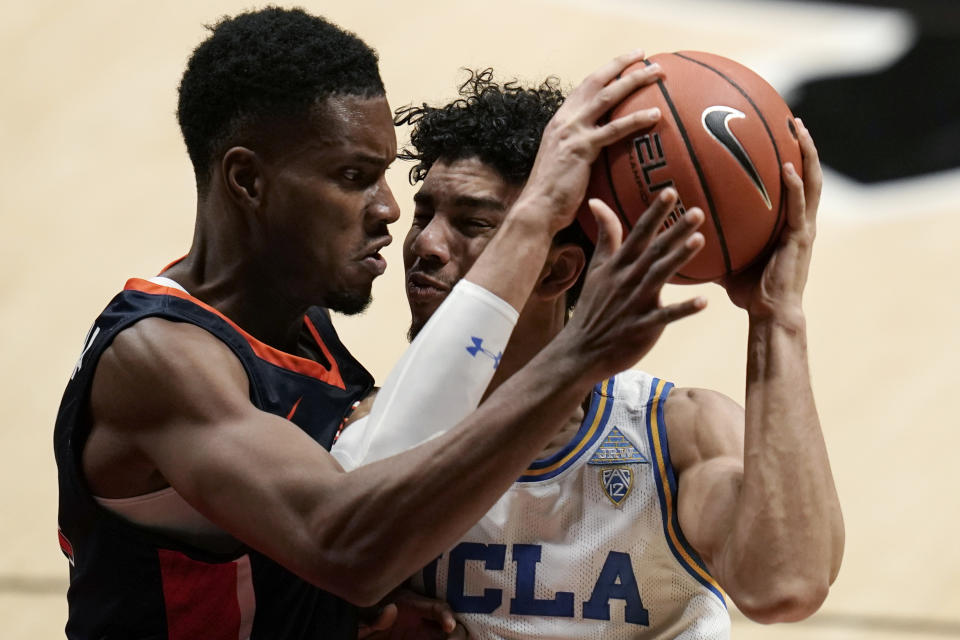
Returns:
(667, 490)
(589, 433)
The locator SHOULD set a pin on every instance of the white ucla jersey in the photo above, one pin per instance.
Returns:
(586, 544)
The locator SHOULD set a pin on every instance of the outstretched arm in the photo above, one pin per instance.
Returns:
(756, 494)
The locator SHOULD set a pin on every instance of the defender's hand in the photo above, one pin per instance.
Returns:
(574, 137)
(777, 286)
(407, 615)
(619, 316)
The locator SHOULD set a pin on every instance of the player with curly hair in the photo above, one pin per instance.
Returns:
(198, 498)
(653, 506)
(500, 125)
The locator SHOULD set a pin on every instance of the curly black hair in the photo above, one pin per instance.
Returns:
(499, 124)
(265, 66)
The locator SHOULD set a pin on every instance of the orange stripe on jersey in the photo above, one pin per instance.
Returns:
(294, 409)
(305, 366)
(334, 367)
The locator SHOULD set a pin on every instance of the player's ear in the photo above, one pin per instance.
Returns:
(564, 264)
(243, 178)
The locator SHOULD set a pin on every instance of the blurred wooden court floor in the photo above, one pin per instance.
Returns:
(96, 187)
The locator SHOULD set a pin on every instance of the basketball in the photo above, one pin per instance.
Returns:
(721, 141)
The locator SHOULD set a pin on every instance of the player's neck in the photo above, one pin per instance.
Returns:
(538, 324)
(566, 433)
(224, 271)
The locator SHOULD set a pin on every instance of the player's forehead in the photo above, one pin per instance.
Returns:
(352, 126)
(466, 184)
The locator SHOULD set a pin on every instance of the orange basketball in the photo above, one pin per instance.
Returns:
(722, 138)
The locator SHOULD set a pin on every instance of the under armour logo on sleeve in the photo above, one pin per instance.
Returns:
(477, 347)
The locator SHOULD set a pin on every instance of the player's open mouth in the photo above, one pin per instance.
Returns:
(422, 288)
(376, 263)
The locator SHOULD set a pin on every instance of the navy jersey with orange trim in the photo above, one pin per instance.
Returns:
(128, 582)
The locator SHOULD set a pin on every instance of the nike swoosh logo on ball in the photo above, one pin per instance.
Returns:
(716, 121)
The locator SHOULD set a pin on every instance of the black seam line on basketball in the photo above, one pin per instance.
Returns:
(703, 181)
(773, 237)
(690, 278)
(613, 190)
(606, 166)
(677, 274)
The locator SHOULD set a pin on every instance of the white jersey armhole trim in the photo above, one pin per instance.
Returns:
(163, 281)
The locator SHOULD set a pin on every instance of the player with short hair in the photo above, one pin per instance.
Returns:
(654, 505)
(197, 495)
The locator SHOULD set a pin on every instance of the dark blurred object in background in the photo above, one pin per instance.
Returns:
(898, 122)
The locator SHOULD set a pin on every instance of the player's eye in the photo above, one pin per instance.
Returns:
(476, 226)
(421, 219)
(359, 178)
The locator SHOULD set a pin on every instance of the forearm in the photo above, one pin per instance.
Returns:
(447, 369)
(787, 536)
(388, 519)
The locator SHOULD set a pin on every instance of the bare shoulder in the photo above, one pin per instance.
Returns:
(702, 424)
(157, 366)
(155, 376)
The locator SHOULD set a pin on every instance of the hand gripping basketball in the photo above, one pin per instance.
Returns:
(723, 137)
(776, 286)
(619, 316)
(574, 136)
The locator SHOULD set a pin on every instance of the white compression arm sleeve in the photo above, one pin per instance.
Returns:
(438, 381)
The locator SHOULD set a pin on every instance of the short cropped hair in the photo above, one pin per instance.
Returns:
(500, 125)
(265, 66)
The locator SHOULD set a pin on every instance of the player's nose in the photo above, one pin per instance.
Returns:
(384, 209)
(431, 243)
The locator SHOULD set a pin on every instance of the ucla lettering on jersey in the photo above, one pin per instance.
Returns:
(586, 544)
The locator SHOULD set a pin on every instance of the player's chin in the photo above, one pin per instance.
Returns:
(350, 301)
(419, 315)
(413, 331)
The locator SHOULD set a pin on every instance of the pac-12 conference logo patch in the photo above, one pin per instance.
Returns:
(614, 453)
(617, 483)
